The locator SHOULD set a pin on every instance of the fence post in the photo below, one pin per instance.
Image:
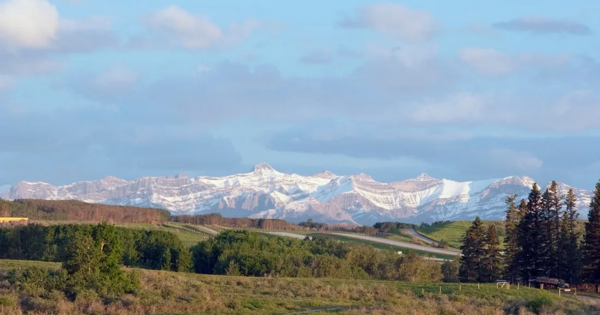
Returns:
(478, 286)
(460, 287)
(440, 289)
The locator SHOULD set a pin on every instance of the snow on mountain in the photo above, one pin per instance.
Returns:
(266, 193)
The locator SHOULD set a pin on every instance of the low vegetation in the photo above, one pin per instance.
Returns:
(161, 292)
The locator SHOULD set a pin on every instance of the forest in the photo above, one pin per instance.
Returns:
(72, 210)
(541, 241)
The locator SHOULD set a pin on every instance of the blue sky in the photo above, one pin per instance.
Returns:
(461, 89)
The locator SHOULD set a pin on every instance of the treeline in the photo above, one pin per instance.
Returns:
(234, 252)
(158, 250)
(541, 241)
(251, 254)
(218, 219)
(72, 210)
(265, 224)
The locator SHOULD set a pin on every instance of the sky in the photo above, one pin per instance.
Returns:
(463, 90)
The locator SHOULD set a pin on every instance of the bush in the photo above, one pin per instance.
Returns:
(536, 305)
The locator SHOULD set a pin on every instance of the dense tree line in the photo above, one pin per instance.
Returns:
(541, 241)
(251, 254)
(137, 248)
(71, 210)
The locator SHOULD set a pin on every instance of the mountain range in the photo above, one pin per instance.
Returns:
(324, 197)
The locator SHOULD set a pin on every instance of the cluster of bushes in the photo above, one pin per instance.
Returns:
(72, 210)
(250, 254)
(91, 264)
(138, 248)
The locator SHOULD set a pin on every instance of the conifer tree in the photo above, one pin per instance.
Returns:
(551, 215)
(592, 240)
(472, 263)
(511, 244)
(570, 241)
(532, 259)
(492, 259)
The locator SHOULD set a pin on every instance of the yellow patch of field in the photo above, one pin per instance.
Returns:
(12, 219)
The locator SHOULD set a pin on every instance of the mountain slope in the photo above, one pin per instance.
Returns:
(266, 193)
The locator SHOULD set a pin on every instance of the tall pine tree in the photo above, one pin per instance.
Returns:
(551, 215)
(592, 240)
(472, 263)
(493, 259)
(533, 257)
(571, 252)
(511, 244)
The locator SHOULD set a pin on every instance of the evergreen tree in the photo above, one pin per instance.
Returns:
(472, 264)
(511, 244)
(592, 240)
(570, 241)
(532, 260)
(551, 215)
(493, 259)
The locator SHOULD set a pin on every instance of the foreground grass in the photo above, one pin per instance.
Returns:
(181, 293)
(454, 231)
(382, 246)
(188, 234)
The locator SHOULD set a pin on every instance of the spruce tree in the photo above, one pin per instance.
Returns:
(492, 259)
(551, 215)
(532, 260)
(473, 250)
(592, 240)
(511, 245)
(570, 241)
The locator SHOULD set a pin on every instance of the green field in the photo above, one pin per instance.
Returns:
(188, 234)
(181, 293)
(454, 231)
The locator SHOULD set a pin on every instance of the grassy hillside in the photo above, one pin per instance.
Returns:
(180, 293)
(454, 231)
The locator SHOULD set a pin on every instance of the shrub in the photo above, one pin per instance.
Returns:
(536, 305)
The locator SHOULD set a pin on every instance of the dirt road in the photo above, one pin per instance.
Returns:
(400, 244)
(416, 234)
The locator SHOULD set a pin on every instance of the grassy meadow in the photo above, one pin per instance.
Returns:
(181, 293)
(453, 232)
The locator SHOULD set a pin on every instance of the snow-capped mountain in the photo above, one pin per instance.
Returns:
(324, 197)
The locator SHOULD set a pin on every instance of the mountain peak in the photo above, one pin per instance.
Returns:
(424, 177)
(262, 167)
(326, 174)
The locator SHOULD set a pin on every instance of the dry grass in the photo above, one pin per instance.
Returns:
(179, 293)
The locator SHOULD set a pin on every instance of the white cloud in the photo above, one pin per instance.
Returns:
(192, 31)
(493, 62)
(28, 23)
(488, 61)
(6, 82)
(394, 20)
(462, 107)
(115, 78)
